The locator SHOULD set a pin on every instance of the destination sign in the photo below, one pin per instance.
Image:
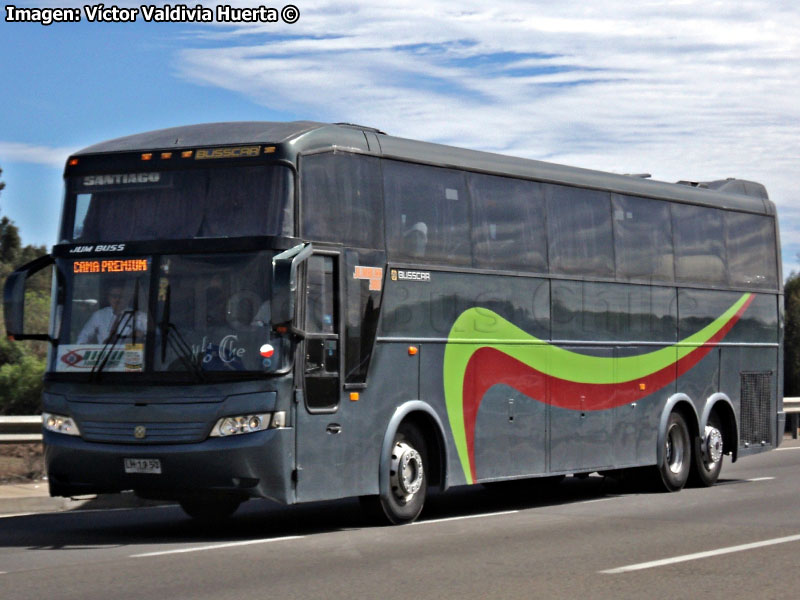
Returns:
(133, 265)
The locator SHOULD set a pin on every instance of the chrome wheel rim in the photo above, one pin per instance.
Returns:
(675, 449)
(407, 474)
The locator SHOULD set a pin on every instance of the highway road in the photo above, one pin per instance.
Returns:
(590, 538)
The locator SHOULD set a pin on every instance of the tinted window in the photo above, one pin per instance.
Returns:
(642, 239)
(508, 223)
(341, 199)
(219, 202)
(751, 250)
(362, 312)
(427, 214)
(579, 231)
(758, 324)
(699, 248)
(587, 310)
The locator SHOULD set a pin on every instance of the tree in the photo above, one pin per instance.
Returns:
(791, 339)
(22, 365)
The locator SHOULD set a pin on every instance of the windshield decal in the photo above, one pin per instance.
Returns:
(225, 354)
(484, 350)
(82, 358)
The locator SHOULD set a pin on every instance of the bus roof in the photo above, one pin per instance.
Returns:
(299, 137)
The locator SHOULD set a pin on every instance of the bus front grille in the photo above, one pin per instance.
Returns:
(143, 433)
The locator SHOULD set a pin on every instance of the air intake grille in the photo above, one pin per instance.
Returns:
(755, 426)
(153, 433)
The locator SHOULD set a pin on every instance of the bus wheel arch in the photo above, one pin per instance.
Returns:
(413, 438)
(677, 430)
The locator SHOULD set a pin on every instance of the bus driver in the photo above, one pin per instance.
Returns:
(102, 324)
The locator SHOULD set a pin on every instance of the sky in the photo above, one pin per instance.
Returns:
(682, 90)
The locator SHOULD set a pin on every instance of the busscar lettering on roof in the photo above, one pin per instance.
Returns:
(236, 152)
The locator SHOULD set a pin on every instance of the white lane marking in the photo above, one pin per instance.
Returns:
(699, 555)
(598, 500)
(217, 546)
(753, 480)
(11, 516)
(784, 449)
(497, 514)
(85, 511)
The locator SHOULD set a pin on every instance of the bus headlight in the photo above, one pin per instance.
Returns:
(59, 424)
(248, 424)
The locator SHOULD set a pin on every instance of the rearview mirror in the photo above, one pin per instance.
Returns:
(284, 282)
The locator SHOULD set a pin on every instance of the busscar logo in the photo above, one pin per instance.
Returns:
(237, 152)
(400, 275)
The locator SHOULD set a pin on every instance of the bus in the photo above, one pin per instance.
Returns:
(304, 311)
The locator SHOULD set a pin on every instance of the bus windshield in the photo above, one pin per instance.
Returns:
(184, 313)
(186, 204)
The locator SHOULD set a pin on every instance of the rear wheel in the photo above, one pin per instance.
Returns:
(674, 469)
(707, 455)
(210, 508)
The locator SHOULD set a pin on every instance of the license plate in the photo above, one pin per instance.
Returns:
(151, 466)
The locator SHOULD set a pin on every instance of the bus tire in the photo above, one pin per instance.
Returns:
(210, 508)
(674, 469)
(408, 476)
(707, 454)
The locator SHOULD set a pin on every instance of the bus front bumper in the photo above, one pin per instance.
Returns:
(256, 465)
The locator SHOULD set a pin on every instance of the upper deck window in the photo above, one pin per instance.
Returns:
(217, 202)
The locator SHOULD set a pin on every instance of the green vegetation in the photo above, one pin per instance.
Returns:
(791, 340)
(22, 364)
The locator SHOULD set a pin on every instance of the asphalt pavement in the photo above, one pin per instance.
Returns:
(584, 538)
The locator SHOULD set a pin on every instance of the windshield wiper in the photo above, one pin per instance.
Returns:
(116, 332)
(177, 344)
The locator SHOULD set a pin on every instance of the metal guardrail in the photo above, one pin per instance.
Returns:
(28, 429)
(20, 430)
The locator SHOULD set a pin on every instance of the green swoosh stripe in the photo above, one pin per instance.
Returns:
(479, 327)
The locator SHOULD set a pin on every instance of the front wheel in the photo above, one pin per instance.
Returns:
(707, 455)
(674, 469)
(408, 479)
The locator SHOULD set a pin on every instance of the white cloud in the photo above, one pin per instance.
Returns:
(29, 153)
(681, 89)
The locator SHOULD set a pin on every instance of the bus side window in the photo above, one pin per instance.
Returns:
(319, 295)
(579, 231)
(427, 213)
(699, 244)
(341, 199)
(322, 340)
(751, 250)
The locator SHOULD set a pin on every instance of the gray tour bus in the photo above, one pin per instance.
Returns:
(303, 311)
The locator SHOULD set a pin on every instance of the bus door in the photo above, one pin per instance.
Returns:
(321, 438)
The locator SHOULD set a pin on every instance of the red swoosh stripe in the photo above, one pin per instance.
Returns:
(489, 367)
